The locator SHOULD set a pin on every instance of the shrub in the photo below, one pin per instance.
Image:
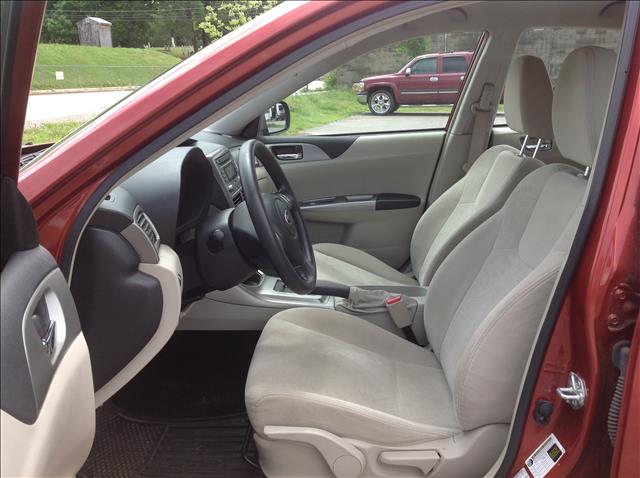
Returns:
(331, 80)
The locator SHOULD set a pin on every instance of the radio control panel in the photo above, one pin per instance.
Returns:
(227, 175)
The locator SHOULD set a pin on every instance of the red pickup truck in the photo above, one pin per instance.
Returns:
(428, 79)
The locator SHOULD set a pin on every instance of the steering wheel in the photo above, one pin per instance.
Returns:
(277, 219)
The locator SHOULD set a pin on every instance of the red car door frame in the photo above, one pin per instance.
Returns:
(64, 186)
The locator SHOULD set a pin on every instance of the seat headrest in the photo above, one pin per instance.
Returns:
(580, 102)
(528, 97)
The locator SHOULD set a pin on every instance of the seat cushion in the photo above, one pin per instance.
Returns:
(325, 369)
(353, 267)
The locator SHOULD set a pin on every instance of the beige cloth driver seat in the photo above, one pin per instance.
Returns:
(480, 193)
(329, 394)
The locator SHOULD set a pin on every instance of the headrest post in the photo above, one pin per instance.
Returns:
(524, 145)
(537, 147)
(587, 172)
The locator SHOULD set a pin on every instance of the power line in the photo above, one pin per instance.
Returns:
(111, 19)
(131, 11)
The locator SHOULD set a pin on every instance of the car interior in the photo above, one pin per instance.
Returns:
(337, 305)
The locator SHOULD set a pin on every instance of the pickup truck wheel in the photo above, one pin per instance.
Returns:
(381, 102)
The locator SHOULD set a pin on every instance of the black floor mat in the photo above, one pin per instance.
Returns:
(126, 448)
(196, 375)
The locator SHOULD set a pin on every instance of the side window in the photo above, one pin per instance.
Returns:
(454, 64)
(428, 66)
(553, 44)
(372, 93)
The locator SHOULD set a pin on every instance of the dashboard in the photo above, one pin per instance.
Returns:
(140, 247)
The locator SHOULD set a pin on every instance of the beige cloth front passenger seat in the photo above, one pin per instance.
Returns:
(480, 193)
(364, 399)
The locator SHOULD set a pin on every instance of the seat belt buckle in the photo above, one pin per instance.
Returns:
(398, 311)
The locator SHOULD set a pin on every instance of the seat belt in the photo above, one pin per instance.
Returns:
(401, 309)
(479, 137)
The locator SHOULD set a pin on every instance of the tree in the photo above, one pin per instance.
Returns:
(413, 47)
(135, 23)
(56, 25)
(131, 20)
(177, 19)
(222, 17)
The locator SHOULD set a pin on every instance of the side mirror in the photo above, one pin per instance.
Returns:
(277, 118)
(407, 71)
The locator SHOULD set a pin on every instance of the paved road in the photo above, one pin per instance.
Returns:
(368, 123)
(70, 106)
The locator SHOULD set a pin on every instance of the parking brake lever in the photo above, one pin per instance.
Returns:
(331, 289)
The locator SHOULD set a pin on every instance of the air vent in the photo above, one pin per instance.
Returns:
(238, 198)
(143, 221)
(143, 236)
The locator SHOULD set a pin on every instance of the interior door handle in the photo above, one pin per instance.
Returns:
(289, 156)
(433, 79)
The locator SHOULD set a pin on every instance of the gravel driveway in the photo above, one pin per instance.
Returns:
(368, 123)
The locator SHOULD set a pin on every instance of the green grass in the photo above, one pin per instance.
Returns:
(315, 109)
(93, 67)
(50, 132)
(180, 52)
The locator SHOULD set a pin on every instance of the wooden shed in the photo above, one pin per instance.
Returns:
(94, 31)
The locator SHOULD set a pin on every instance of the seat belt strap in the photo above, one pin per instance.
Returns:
(399, 313)
(479, 137)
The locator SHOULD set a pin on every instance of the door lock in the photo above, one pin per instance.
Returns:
(575, 393)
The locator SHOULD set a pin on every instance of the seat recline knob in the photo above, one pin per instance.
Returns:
(347, 466)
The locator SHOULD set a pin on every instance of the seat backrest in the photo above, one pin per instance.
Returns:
(486, 301)
(492, 177)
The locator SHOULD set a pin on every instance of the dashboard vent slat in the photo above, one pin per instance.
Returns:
(238, 198)
(144, 223)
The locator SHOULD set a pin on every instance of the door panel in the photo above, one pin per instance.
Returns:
(59, 441)
(47, 387)
(348, 186)
(47, 400)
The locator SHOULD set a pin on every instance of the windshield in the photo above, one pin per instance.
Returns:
(92, 54)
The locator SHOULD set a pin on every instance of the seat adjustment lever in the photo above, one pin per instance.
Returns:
(425, 460)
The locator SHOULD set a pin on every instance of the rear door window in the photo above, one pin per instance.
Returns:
(454, 64)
